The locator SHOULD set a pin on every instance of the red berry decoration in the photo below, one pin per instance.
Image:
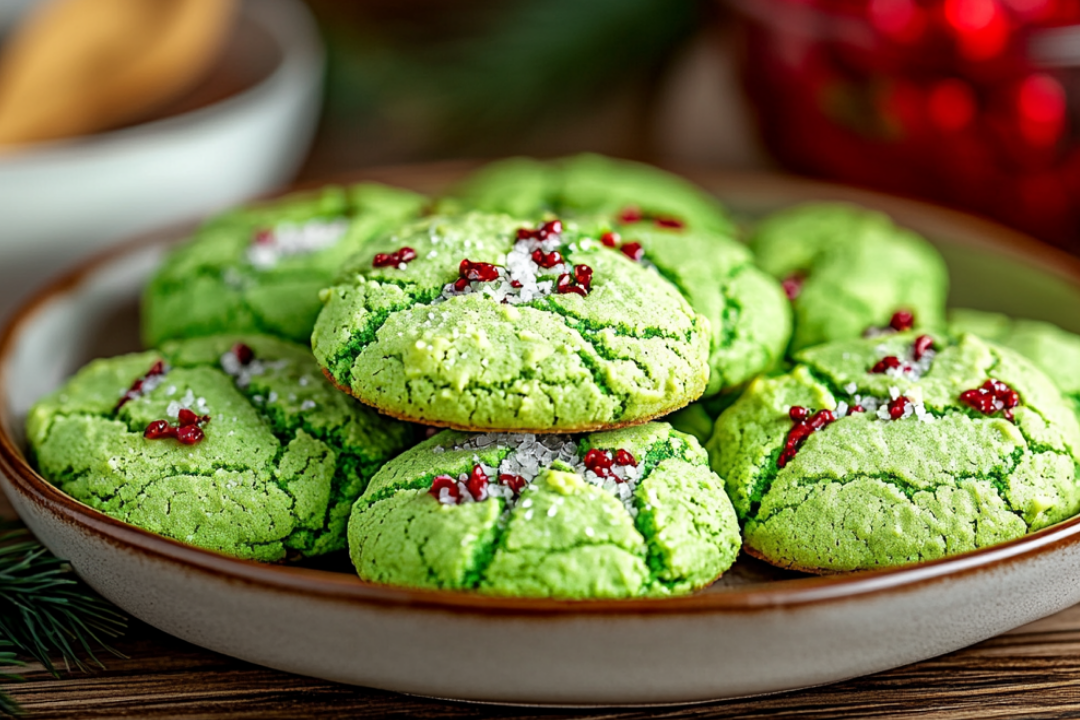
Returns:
(610, 239)
(805, 426)
(187, 431)
(631, 214)
(579, 283)
(545, 231)
(515, 482)
(156, 370)
(475, 272)
(547, 260)
(448, 483)
(243, 353)
(633, 250)
(599, 462)
(264, 236)
(922, 344)
(671, 223)
(902, 320)
(792, 285)
(890, 362)
(398, 257)
(477, 483)
(625, 457)
(897, 407)
(993, 396)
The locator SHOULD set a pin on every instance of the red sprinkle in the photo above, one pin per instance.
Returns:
(404, 255)
(444, 481)
(922, 344)
(792, 285)
(897, 406)
(991, 397)
(545, 231)
(264, 236)
(855, 408)
(515, 482)
(803, 428)
(601, 462)
(243, 353)
(670, 222)
(475, 272)
(583, 276)
(135, 390)
(580, 283)
(902, 320)
(890, 362)
(187, 431)
(610, 239)
(633, 250)
(631, 214)
(477, 483)
(547, 260)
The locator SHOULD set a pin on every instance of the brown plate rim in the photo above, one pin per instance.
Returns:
(350, 589)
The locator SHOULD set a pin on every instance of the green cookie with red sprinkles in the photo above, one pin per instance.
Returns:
(849, 271)
(667, 224)
(232, 443)
(895, 450)
(498, 323)
(616, 514)
(259, 269)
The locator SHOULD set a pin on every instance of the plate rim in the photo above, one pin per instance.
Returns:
(344, 587)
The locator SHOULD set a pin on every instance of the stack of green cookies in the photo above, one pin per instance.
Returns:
(569, 333)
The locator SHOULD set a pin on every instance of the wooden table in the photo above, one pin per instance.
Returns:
(1032, 672)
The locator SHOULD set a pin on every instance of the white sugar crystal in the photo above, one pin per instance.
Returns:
(308, 405)
(841, 409)
(288, 239)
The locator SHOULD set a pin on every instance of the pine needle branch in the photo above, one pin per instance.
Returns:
(46, 611)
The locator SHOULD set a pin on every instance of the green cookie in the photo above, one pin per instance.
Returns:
(849, 271)
(667, 224)
(615, 514)
(589, 184)
(259, 269)
(1054, 351)
(951, 474)
(281, 458)
(475, 334)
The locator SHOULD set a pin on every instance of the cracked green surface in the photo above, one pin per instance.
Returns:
(586, 184)
(865, 493)
(747, 311)
(860, 268)
(274, 477)
(631, 350)
(1054, 351)
(564, 538)
(207, 286)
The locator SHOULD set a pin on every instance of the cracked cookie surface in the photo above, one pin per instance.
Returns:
(671, 226)
(1054, 351)
(259, 269)
(488, 356)
(848, 269)
(282, 456)
(864, 490)
(661, 526)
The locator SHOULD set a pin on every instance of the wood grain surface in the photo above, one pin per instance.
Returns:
(1032, 672)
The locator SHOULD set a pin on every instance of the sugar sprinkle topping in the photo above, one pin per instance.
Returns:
(286, 239)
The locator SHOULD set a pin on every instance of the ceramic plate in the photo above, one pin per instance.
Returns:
(756, 631)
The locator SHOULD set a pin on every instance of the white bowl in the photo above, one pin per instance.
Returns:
(753, 632)
(61, 200)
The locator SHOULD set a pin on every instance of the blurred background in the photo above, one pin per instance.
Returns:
(119, 116)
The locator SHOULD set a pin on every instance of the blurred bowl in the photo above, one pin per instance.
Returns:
(242, 132)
